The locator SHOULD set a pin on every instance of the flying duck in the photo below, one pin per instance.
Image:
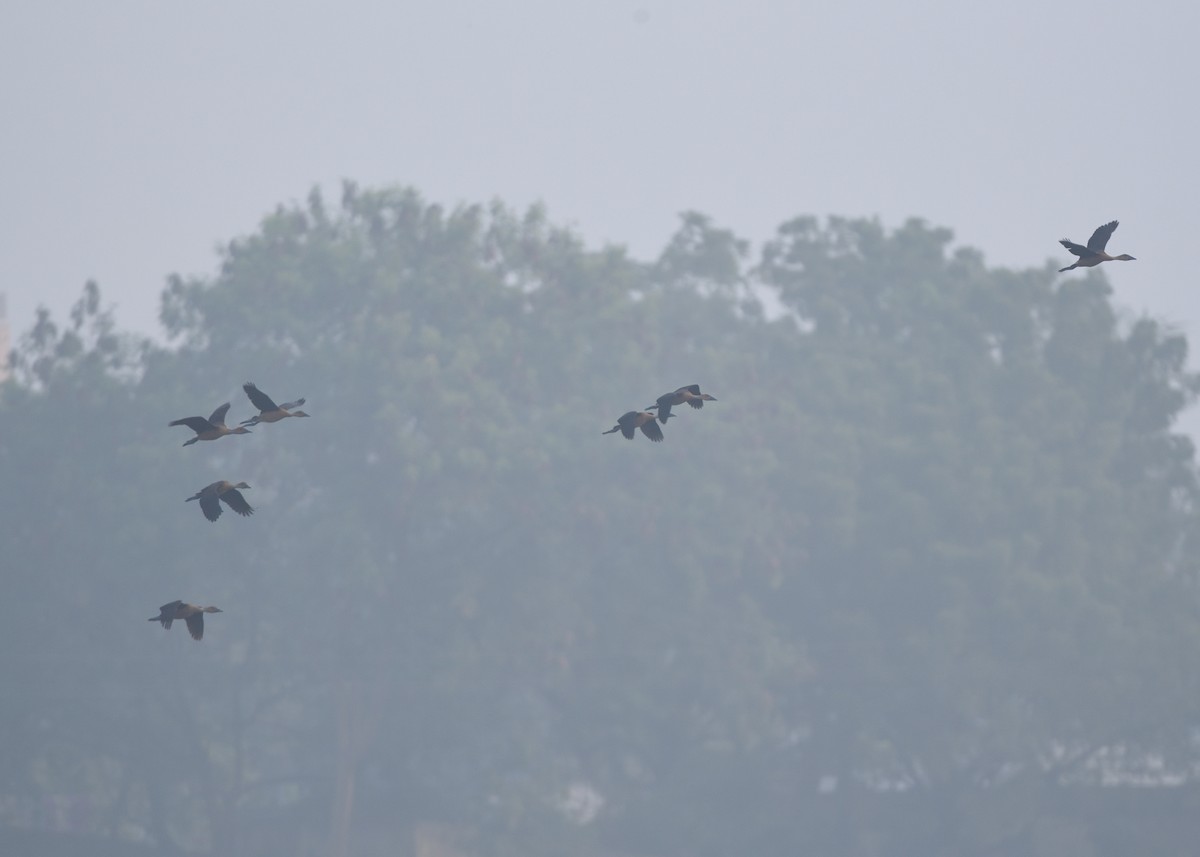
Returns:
(211, 495)
(269, 412)
(211, 428)
(690, 394)
(1093, 254)
(190, 613)
(633, 420)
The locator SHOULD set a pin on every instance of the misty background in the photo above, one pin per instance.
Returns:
(139, 136)
(922, 581)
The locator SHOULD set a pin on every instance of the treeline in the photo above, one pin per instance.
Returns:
(921, 578)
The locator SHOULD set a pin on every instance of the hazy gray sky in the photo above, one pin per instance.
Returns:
(138, 135)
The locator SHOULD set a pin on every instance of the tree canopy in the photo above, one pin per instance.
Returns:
(936, 541)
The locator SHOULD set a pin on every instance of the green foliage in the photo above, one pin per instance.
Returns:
(936, 533)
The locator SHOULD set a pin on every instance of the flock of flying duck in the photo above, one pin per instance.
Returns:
(211, 496)
(230, 493)
(631, 421)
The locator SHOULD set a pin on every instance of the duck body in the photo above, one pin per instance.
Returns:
(1094, 253)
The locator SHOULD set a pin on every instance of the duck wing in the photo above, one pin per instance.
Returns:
(1099, 239)
(237, 502)
(166, 614)
(1077, 249)
(218, 416)
(258, 398)
(651, 430)
(195, 624)
(210, 506)
(197, 424)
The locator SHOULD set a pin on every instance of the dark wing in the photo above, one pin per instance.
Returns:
(211, 506)
(651, 430)
(627, 422)
(287, 406)
(218, 416)
(166, 614)
(694, 389)
(195, 624)
(1099, 239)
(664, 409)
(197, 424)
(237, 502)
(258, 398)
(1077, 249)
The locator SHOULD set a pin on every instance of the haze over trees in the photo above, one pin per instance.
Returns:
(922, 582)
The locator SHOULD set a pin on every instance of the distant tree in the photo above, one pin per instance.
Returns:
(936, 537)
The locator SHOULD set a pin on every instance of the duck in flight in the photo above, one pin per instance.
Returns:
(211, 428)
(633, 420)
(690, 395)
(269, 412)
(210, 498)
(1093, 254)
(190, 613)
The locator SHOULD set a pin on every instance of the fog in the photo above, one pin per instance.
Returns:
(919, 578)
(140, 136)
